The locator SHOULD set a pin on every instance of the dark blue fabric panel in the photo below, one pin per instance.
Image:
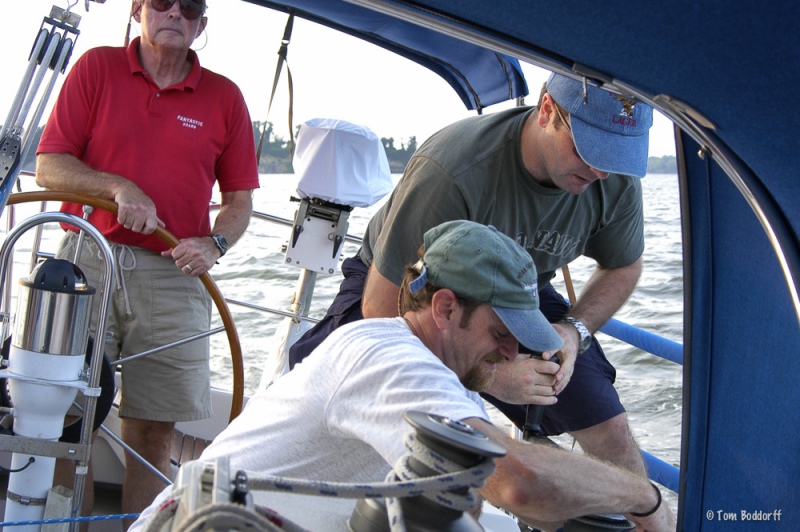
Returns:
(735, 62)
(753, 441)
(741, 438)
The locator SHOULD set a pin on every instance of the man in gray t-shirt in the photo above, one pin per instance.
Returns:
(562, 180)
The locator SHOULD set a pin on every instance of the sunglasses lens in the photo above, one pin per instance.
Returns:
(189, 8)
(161, 5)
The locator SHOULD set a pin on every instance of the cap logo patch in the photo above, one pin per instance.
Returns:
(624, 121)
(524, 270)
(532, 289)
(627, 106)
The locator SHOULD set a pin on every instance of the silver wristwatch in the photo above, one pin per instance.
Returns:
(221, 242)
(583, 332)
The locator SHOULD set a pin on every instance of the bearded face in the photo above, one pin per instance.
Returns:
(479, 378)
(474, 347)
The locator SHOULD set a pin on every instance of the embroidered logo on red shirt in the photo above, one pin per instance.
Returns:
(190, 122)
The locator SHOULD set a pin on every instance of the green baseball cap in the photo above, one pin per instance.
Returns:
(478, 262)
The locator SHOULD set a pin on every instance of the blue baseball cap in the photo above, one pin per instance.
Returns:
(478, 262)
(611, 132)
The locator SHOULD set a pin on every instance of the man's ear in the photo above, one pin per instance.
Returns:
(546, 110)
(136, 10)
(202, 27)
(444, 307)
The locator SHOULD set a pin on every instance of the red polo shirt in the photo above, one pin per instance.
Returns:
(174, 143)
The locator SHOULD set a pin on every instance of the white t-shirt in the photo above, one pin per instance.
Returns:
(338, 415)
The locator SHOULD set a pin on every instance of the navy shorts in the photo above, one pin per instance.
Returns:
(588, 399)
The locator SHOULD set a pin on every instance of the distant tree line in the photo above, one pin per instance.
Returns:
(276, 150)
(276, 157)
(662, 165)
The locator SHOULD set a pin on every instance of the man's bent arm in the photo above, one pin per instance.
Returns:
(65, 172)
(380, 296)
(201, 252)
(234, 215)
(605, 292)
(543, 483)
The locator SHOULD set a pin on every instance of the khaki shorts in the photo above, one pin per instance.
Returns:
(163, 305)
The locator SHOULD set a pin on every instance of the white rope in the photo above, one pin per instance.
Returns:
(472, 477)
(121, 252)
(436, 462)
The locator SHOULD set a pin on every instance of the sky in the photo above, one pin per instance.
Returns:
(334, 75)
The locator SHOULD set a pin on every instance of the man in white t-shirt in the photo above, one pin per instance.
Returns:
(465, 305)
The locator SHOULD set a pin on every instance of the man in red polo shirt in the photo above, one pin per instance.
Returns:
(147, 127)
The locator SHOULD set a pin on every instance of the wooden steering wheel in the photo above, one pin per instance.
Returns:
(211, 287)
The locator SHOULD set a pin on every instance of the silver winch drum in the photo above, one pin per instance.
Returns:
(53, 310)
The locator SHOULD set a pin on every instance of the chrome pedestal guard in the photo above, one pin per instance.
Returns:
(171, 240)
(78, 452)
(74, 452)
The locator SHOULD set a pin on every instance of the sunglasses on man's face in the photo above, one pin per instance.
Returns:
(189, 8)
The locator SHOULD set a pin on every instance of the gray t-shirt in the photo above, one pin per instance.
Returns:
(473, 170)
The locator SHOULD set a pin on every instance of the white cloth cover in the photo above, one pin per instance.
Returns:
(341, 162)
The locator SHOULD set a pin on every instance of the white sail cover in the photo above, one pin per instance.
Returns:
(341, 162)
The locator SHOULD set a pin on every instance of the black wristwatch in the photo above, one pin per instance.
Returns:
(583, 332)
(221, 243)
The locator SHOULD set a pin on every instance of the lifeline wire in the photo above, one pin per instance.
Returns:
(69, 520)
